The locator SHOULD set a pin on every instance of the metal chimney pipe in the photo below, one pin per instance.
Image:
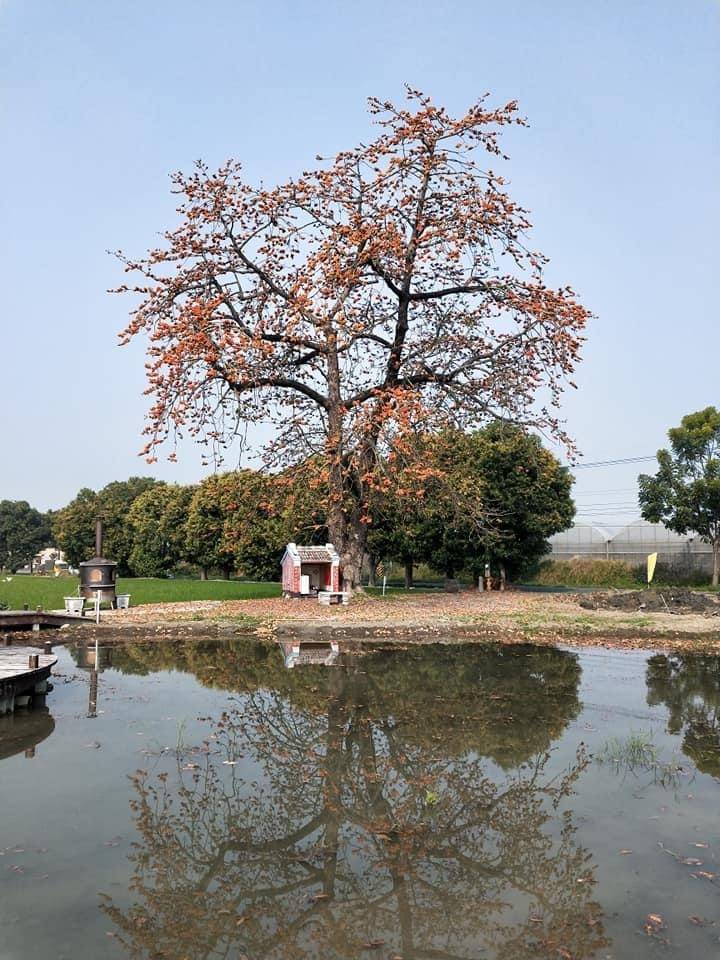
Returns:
(98, 537)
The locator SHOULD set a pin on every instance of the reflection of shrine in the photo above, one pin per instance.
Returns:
(371, 819)
(297, 653)
(24, 730)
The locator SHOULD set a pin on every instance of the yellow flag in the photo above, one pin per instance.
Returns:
(652, 560)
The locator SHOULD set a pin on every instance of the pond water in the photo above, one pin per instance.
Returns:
(201, 800)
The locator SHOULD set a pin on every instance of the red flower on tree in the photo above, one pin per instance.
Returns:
(388, 292)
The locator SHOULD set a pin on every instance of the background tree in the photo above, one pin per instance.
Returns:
(256, 529)
(685, 492)
(205, 544)
(73, 528)
(491, 496)
(158, 518)
(242, 520)
(392, 289)
(74, 524)
(23, 531)
(398, 514)
(526, 493)
(302, 494)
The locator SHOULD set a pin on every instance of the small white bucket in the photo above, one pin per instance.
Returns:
(74, 605)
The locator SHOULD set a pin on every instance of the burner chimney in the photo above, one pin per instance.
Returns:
(98, 575)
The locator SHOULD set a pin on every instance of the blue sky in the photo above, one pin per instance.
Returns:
(99, 102)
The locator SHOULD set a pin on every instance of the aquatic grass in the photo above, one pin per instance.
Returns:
(637, 753)
(637, 750)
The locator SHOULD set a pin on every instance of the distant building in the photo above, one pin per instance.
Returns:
(49, 560)
(632, 543)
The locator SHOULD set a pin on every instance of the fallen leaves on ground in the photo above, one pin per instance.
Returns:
(511, 616)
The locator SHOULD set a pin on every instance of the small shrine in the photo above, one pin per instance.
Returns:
(310, 571)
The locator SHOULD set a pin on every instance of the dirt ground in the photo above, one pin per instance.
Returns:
(666, 600)
(512, 616)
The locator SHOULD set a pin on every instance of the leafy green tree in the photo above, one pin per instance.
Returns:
(256, 529)
(526, 494)
(115, 501)
(684, 494)
(74, 525)
(158, 518)
(301, 493)
(394, 534)
(205, 543)
(23, 531)
(243, 520)
(491, 496)
(73, 529)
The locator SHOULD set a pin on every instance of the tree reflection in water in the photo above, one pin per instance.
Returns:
(689, 686)
(361, 816)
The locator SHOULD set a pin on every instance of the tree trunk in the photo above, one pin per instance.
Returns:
(451, 585)
(346, 512)
(349, 541)
(372, 567)
(203, 573)
(408, 574)
(347, 490)
(716, 563)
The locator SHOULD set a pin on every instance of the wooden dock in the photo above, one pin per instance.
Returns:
(24, 673)
(38, 619)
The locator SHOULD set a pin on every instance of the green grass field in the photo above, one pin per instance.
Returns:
(48, 592)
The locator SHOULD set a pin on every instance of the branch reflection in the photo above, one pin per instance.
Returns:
(358, 810)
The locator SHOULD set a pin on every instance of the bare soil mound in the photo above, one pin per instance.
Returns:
(654, 601)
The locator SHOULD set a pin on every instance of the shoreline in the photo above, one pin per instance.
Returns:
(510, 617)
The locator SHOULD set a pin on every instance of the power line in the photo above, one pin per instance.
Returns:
(610, 463)
(607, 502)
(606, 507)
(608, 513)
(598, 492)
(588, 510)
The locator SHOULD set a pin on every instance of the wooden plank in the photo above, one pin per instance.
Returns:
(19, 681)
(14, 662)
(26, 619)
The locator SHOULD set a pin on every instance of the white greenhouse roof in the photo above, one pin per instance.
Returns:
(639, 537)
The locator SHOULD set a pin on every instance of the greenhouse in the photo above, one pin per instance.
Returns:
(632, 543)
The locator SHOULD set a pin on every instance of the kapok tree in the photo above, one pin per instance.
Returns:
(390, 290)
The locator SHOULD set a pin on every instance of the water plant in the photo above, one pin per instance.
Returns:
(637, 753)
(637, 750)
